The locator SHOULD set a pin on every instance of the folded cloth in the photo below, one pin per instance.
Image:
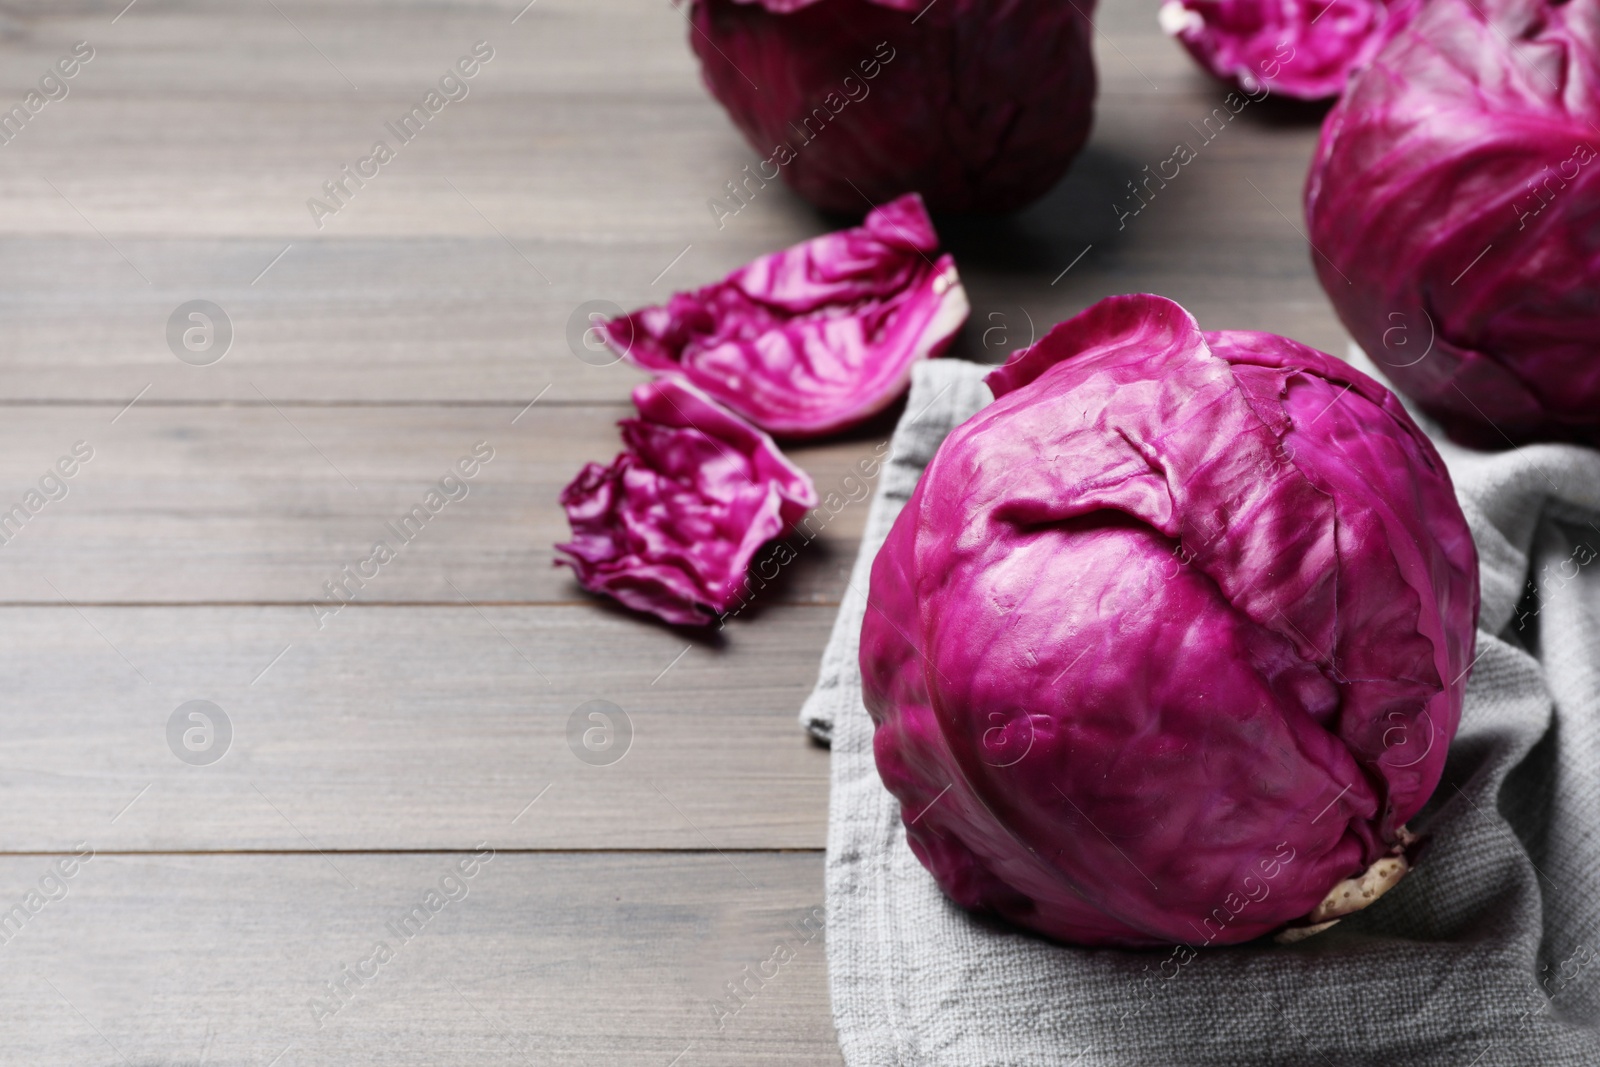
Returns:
(1487, 953)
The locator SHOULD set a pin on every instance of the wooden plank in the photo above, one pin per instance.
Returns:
(268, 503)
(453, 275)
(547, 959)
(408, 728)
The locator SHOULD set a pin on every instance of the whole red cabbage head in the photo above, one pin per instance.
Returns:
(977, 105)
(1454, 208)
(817, 337)
(1171, 639)
(671, 526)
(1305, 49)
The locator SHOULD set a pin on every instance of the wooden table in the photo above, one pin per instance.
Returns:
(231, 909)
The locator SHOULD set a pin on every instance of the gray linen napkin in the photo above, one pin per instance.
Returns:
(1487, 953)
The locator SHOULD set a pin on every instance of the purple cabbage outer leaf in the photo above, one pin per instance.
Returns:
(817, 337)
(1454, 208)
(1172, 637)
(1304, 49)
(978, 106)
(671, 526)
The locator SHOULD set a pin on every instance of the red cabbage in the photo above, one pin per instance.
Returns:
(1304, 49)
(978, 106)
(1454, 208)
(671, 526)
(817, 337)
(1171, 639)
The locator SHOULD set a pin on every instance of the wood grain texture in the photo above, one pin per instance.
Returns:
(403, 728)
(268, 503)
(534, 959)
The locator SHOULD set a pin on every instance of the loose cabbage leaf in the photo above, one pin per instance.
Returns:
(817, 337)
(670, 527)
